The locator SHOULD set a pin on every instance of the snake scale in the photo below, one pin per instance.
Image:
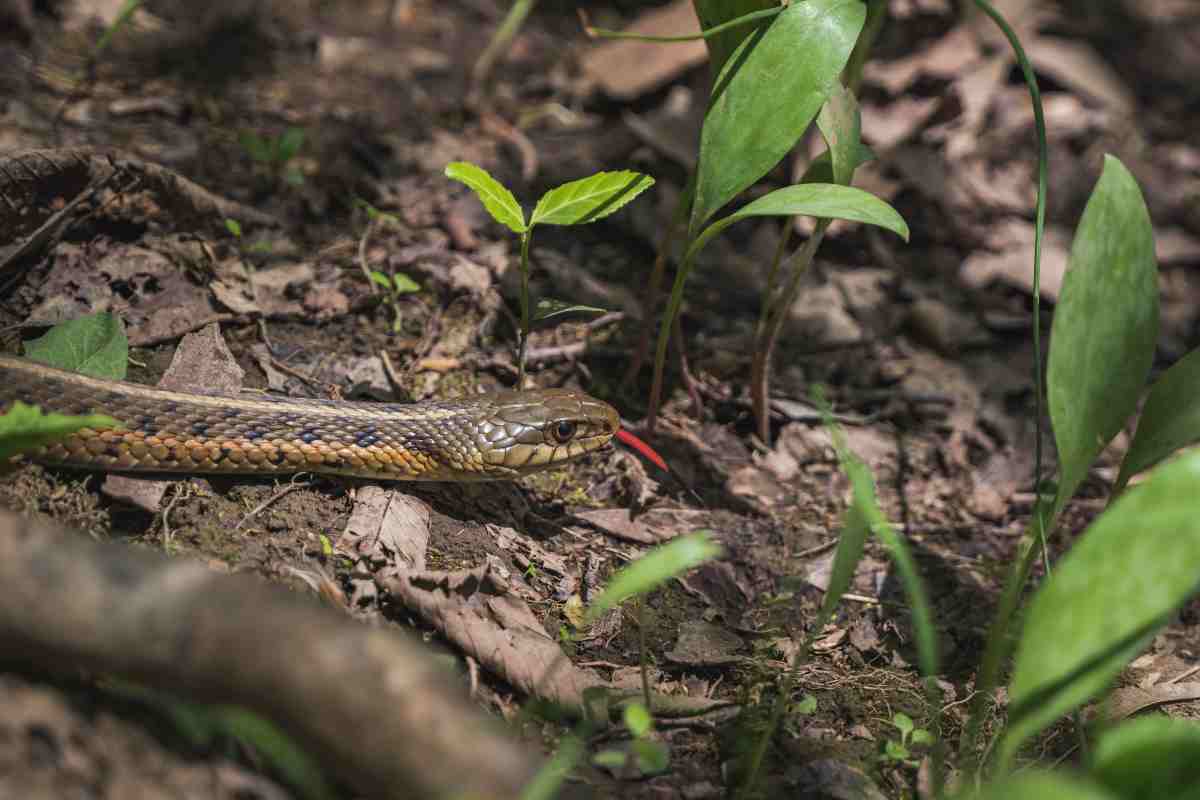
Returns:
(487, 437)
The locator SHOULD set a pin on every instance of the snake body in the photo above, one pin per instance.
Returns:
(487, 437)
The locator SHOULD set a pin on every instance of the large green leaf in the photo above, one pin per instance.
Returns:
(1040, 786)
(821, 200)
(589, 199)
(1170, 419)
(1150, 758)
(1136, 564)
(94, 345)
(767, 93)
(1102, 342)
(712, 13)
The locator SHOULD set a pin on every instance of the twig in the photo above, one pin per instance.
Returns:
(286, 490)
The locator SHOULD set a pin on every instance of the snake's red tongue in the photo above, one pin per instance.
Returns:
(643, 449)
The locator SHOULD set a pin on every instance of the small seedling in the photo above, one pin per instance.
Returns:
(649, 755)
(575, 203)
(900, 751)
(275, 153)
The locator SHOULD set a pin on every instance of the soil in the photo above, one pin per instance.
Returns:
(924, 349)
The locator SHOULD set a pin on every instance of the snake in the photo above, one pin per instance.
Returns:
(498, 436)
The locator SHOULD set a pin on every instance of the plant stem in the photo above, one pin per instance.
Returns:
(641, 621)
(775, 311)
(754, 16)
(654, 289)
(525, 237)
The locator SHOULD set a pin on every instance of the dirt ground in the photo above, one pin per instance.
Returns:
(924, 347)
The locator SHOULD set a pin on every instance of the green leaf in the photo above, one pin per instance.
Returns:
(24, 429)
(822, 200)
(821, 168)
(1170, 419)
(234, 227)
(652, 757)
(1132, 567)
(1040, 786)
(94, 345)
(611, 759)
(921, 736)
(766, 95)
(289, 143)
(903, 723)
(256, 146)
(895, 750)
(638, 719)
(381, 279)
(589, 199)
(864, 515)
(1105, 325)
(807, 705)
(405, 284)
(550, 309)
(1150, 758)
(654, 569)
(554, 771)
(498, 200)
(287, 758)
(841, 125)
(204, 725)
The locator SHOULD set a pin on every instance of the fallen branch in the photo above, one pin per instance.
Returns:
(388, 719)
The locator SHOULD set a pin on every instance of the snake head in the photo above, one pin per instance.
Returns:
(533, 430)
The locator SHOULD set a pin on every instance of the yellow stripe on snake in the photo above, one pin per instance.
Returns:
(487, 437)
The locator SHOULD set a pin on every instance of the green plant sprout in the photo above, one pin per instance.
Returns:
(275, 153)
(632, 582)
(575, 203)
(899, 751)
(393, 285)
(771, 80)
(647, 754)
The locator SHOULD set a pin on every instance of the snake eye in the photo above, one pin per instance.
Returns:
(564, 430)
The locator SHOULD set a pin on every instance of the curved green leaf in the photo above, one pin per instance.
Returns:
(1136, 564)
(549, 309)
(94, 345)
(1170, 419)
(589, 199)
(654, 569)
(822, 200)
(1102, 339)
(1150, 758)
(767, 93)
(1041, 786)
(498, 200)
